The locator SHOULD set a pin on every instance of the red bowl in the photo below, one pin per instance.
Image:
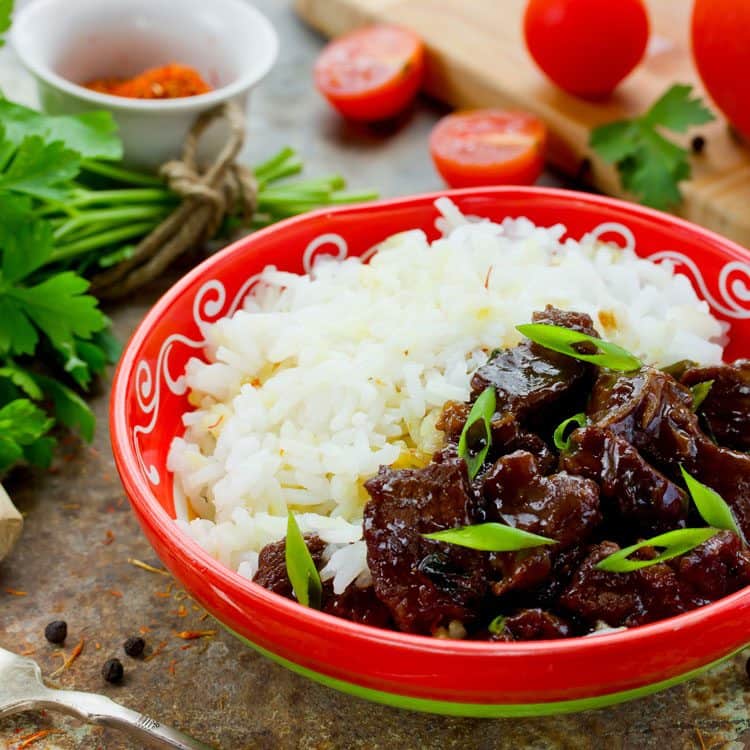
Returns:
(463, 678)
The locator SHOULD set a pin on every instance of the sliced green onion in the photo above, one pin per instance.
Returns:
(700, 391)
(300, 566)
(675, 543)
(481, 413)
(678, 369)
(562, 443)
(490, 537)
(562, 340)
(712, 507)
(497, 625)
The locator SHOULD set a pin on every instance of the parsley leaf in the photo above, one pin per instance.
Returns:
(650, 165)
(6, 7)
(21, 424)
(69, 408)
(92, 135)
(40, 169)
(59, 307)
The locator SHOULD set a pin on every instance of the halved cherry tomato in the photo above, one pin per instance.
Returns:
(489, 147)
(586, 46)
(372, 73)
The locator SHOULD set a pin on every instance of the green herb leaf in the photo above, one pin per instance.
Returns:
(497, 625)
(712, 507)
(21, 379)
(6, 8)
(69, 408)
(490, 537)
(651, 166)
(562, 340)
(481, 416)
(562, 443)
(40, 169)
(678, 369)
(59, 307)
(93, 135)
(22, 423)
(700, 391)
(675, 543)
(25, 243)
(300, 567)
(40, 452)
(676, 110)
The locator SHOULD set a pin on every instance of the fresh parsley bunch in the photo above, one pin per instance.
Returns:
(650, 165)
(53, 337)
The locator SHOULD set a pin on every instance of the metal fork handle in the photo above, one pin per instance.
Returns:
(98, 709)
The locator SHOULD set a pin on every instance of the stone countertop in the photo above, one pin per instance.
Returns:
(72, 562)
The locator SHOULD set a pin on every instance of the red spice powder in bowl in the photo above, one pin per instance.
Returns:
(172, 81)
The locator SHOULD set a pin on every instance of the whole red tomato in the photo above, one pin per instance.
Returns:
(721, 48)
(586, 46)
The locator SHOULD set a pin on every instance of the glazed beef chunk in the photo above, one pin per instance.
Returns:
(271, 573)
(652, 411)
(528, 378)
(561, 507)
(425, 584)
(644, 499)
(533, 625)
(716, 568)
(726, 409)
(359, 605)
(628, 599)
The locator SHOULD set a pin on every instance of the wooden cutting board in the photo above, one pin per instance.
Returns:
(477, 58)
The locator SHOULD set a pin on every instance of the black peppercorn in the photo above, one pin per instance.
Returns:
(112, 671)
(747, 667)
(698, 144)
(56, 631)
(134, 646)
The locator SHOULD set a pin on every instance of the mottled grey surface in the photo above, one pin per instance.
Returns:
(72, 562)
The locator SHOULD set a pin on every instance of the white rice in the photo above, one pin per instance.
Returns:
(321, 379)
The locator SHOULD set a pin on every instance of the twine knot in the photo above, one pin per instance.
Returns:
(208, 195)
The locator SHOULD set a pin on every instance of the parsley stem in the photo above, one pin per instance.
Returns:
(120, 174)
(109, 215)
(124, 195)
(102, 239)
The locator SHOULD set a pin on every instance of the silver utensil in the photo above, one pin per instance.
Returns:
(22, 689)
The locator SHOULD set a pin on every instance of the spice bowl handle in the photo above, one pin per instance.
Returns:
(98, 709)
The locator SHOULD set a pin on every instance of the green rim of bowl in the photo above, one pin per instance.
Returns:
(483, 710)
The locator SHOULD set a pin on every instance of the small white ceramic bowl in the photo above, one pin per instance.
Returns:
(65, 43)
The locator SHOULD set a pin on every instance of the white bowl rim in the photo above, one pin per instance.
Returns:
(108, 101)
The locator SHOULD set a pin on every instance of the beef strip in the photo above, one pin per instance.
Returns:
(621, 598)
(507, 435)
(529, 379)
(561, 507)
(425, 584)
(719, 566)
(533, 625)
(652, 411)
(644, 499)
(271, 573)
(358, 605)
(354, 603)
(726, 409)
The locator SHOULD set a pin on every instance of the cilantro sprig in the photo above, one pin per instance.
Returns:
(650, 165)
